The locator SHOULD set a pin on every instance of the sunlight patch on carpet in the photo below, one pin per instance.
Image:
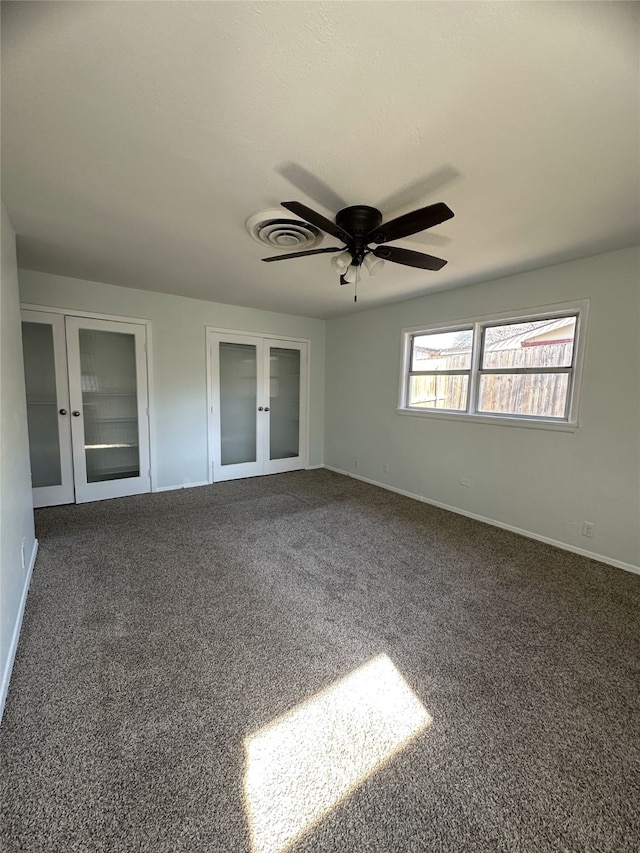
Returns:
(305, 763)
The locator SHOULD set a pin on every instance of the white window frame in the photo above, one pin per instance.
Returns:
(569, 423)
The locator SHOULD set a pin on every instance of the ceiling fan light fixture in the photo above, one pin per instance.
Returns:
(373, 264)
(352, 275)
(341, 262)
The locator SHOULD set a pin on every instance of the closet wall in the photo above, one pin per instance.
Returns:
(178, 364)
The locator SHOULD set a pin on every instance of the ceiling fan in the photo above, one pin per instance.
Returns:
(359, 226)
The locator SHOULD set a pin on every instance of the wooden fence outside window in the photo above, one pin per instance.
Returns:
(541, 394)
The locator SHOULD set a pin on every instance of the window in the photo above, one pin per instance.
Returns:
(518, 368)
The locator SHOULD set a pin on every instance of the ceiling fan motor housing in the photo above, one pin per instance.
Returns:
(358, 220)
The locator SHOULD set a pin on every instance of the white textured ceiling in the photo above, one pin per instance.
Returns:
(137, 137)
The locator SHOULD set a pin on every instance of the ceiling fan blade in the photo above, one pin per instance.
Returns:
(308, 252)
(410, 223)
(408, 258)
(317, 219)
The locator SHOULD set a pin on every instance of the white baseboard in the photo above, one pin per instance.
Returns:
(181, 486)
(618, 564)
(13, 647)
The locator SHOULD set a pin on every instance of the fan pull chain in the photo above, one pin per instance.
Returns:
(355, 285)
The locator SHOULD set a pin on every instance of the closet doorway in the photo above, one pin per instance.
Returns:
(87, 407)
(258, 408)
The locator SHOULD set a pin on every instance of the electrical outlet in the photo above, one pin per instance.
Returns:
(385, 468)
(465, 481)
(356, 464)
(588, 529)
(23, 554)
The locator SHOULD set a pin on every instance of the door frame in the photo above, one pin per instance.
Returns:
(213, 434)
(139, 321)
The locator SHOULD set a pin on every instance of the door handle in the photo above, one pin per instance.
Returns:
(76, 414)
(63, 411)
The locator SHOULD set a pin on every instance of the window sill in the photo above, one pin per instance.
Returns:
(493, 420)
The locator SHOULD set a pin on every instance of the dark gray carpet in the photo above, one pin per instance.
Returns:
(163, 630)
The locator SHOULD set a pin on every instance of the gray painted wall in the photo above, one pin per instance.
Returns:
(178, 361)
(17, 534)
(543, 482)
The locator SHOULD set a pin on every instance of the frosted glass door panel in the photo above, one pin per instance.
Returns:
(238, 403)
(42, 405)
(48, 416)
(109, 405)
(284, 402)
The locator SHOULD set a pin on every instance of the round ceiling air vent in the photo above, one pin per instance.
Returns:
(278, 231)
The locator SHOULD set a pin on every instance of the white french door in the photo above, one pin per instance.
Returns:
(87, 407)
(48, 417)
(258, 405)
(109, 408)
